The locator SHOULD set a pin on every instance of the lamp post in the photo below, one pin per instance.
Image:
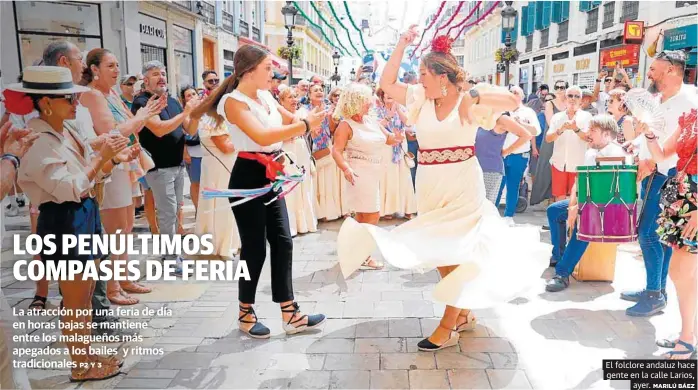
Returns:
(508, 23)
(353, 74)
(289, 12)
(335, 60)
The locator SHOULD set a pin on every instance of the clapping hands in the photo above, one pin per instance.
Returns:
(16, 141)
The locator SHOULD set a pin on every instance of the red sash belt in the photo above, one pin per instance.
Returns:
(273, 167)
(445, 155)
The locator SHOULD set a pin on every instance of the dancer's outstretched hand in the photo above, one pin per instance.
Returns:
(408, 37)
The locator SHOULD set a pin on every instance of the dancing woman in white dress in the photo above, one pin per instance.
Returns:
(359, 143)
(457, 230)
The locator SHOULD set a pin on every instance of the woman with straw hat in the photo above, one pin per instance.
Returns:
(58, 174)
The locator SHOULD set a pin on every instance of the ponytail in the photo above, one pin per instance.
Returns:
(210, 105)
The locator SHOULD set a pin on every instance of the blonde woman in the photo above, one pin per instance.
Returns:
(398, 194)
(358, 150)
(301, 201)
(617, 108)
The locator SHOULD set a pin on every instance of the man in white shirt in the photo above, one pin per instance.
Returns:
(602, 134)
(602, 97)
(516, 160)
(666, 73)
(568, 132)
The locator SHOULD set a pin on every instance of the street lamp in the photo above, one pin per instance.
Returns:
(335, 60)
(289, 12)
(353, 74)
(508, 24)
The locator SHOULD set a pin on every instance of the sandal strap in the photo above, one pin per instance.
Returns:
(296, 310)
(248, 311)
(690, 348)
(39, 298)
(446, 327)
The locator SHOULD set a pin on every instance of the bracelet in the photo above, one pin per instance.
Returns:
(115, 163)
(12, 158)
(598, 80)
(577, 131)
(307, 125)
(652, 138)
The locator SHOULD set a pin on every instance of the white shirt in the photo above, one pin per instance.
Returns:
(527, 116)
(569, 149)
(242, 142)
(672, 109)
(602, 102)
(610, 150)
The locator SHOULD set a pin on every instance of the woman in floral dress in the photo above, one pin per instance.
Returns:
(677, 225)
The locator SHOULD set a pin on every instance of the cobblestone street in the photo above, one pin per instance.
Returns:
(375, 319)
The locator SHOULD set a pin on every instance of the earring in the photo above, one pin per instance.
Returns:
(96, 77)
(444, 92)
(48, 112)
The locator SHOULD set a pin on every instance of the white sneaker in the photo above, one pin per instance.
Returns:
(13, 211)
(509, 221)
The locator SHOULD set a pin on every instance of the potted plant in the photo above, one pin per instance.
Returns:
(289, 53)
(504, 54)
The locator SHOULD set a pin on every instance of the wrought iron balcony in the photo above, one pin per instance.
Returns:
(183, 4)
(227, 22)
(209, 12)
(244, 28)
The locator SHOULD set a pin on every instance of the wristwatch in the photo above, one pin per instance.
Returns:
(474, 94)
(598, 80)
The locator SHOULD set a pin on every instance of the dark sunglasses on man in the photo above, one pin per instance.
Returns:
(213, 81)
(573, 96)
(608, 79)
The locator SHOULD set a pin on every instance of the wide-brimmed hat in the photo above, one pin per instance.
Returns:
(279, 76)
(47, 80)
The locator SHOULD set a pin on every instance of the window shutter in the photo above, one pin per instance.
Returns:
(524, 18)
(557, 11)
(530, 24)
(547, 9)
(584, 6)
(595, 4)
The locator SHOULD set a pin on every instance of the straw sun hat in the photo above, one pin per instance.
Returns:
(47, 80)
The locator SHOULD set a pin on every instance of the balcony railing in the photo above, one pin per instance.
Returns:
(209, 12)
(244, 28)
(183, 4)
(255, 34)
(592, 21)
(227, 22)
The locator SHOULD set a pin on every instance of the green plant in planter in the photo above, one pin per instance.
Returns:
(504, 54)
(289, 53)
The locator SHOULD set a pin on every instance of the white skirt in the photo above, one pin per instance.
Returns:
(397, 191)
(327, 187)
(118, 191)
(300, 202)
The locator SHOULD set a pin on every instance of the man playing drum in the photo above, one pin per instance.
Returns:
(601, 136)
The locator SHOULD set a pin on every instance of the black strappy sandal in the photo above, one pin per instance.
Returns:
(314, 320)
(39, 303)
(428, 346)
(258, 331)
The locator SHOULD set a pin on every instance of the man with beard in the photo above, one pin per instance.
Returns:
(211, 81)
(163, 137)
(602, 134)
(674, 98)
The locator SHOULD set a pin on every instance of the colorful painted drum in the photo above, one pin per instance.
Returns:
(607, 197)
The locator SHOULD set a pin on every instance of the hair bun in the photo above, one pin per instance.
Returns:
(460, 76)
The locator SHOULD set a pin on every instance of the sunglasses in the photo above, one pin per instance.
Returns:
(671, 59)
(213, 81)
(129, 84)
(608, 80)
(71, 98)
(571, 96)
(560, 87)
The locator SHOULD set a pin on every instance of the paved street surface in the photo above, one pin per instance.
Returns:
(376, 318)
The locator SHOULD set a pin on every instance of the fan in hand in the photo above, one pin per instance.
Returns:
(645, 108)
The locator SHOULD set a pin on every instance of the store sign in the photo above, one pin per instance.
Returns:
(153, 31)
(559, 68)
(634, 31)
(627, 55)
(680, 38)
(585, 63)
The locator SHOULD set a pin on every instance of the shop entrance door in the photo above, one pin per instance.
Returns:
(209, 57)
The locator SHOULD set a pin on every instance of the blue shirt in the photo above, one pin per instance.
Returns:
(488, 150)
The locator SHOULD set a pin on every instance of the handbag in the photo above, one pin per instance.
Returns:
(670, 190)
(146, 160)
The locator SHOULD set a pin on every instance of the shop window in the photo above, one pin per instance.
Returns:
(629, 11)
(563, 30)
(609, 11)
(184, 58)
(592, 21)
(40, 23)
(461, 61)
